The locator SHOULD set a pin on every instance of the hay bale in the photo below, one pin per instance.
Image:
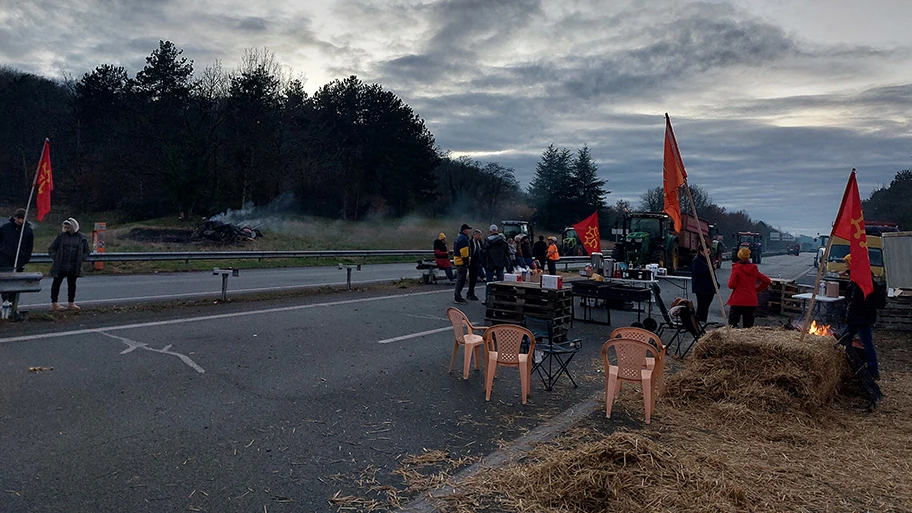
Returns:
(760, 368)
(622, 472)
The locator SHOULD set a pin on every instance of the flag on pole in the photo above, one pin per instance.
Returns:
(44, 182)
(673, 175)
(588, 232)
(850, 226)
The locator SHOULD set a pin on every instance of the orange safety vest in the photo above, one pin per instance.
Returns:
(553, 253)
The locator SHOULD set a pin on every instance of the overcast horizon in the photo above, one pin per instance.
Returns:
(773, 103)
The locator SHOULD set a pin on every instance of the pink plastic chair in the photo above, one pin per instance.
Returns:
(503, 343)
(657, 364)
(631, 366)
(465, 335)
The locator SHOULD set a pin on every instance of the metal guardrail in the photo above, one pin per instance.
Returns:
(261, 255)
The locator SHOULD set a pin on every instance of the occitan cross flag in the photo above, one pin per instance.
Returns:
(588, 232)
(850, 226)
(44, 182)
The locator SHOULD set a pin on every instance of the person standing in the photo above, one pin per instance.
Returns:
(476, 269)
(525, 251)
(462, 260)
(442, 256)
(511, 255)
(746, 281)
(861, 314)
(497, 254)
(553, 255)
(10, 233)
(540, 251)
(68, 252)
(702, 284)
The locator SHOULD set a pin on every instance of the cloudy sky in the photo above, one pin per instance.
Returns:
(773, 102)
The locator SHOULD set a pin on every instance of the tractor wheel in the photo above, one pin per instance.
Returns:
(657, 256)
(673, 261)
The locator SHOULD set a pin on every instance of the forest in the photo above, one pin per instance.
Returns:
(172, 140)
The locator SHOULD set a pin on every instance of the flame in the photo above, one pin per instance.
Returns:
(820, 329)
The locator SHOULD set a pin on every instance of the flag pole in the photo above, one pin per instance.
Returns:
(820, 267)
(28, 205)
(712, 272)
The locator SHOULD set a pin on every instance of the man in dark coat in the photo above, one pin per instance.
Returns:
(497, 254)
(68, 252)
(540, 251)
(702, 285)
(861, 314)
(9, 241)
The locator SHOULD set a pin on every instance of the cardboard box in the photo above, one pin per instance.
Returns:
(512, 277)
(832, 289)
(551, 282)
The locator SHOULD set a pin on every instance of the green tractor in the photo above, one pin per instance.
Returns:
(646, 238)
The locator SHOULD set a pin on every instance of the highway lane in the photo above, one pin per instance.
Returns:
(139, 288)
(237, 407)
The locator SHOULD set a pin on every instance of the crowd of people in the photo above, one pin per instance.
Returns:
(486, 258)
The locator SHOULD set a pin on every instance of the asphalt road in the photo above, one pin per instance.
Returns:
(258, 406)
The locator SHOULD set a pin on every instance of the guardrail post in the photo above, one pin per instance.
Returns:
(348, 269)
(224, 274)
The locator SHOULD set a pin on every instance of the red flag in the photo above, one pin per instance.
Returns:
(850, 226)
(673, 175)
(44, 182)
(588, 232)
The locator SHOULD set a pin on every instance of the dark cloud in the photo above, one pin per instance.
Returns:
(768, 120)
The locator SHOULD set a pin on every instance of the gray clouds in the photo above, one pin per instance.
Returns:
(769, 119)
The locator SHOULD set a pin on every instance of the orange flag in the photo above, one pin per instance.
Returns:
(673, 175)
(588, 232)
(44, 182)
(850, 226)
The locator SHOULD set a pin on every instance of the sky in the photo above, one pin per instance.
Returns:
(773, 103)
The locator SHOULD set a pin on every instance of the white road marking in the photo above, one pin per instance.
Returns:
(414, 335)
(211, 317)
(46, 306)
(133, 345)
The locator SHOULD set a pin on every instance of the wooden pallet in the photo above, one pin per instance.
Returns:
(897, 315)
(510, 302)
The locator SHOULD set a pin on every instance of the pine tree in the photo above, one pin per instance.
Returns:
(588, 190)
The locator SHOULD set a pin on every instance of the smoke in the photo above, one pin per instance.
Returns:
(255, 217)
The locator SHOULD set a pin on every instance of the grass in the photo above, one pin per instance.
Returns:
(281, 232)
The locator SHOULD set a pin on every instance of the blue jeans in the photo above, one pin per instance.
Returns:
(867, 340)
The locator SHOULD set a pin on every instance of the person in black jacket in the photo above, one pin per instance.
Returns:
(68, 251)
(540, 251)
(9, 241)
(702, 284)
(861, 314)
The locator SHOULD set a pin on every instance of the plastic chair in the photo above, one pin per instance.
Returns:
(505, 346)
(550, 352)
(464, 335)
(631, 356)
(656, 364)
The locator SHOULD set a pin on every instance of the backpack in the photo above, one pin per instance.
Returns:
(878, 297)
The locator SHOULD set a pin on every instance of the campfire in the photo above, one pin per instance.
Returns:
(820, 329)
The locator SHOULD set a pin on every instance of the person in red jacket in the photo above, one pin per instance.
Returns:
(746, 281)
(442, 257)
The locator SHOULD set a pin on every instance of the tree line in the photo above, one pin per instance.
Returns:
(170, 140)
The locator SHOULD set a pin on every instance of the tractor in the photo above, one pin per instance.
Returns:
(750, 240)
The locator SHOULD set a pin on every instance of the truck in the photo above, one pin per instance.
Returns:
(750, 240)
(649, 238)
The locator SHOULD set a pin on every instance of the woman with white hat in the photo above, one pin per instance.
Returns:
(68, 251)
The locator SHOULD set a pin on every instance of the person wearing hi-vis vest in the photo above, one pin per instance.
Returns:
(462, 259)
(553, 255)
